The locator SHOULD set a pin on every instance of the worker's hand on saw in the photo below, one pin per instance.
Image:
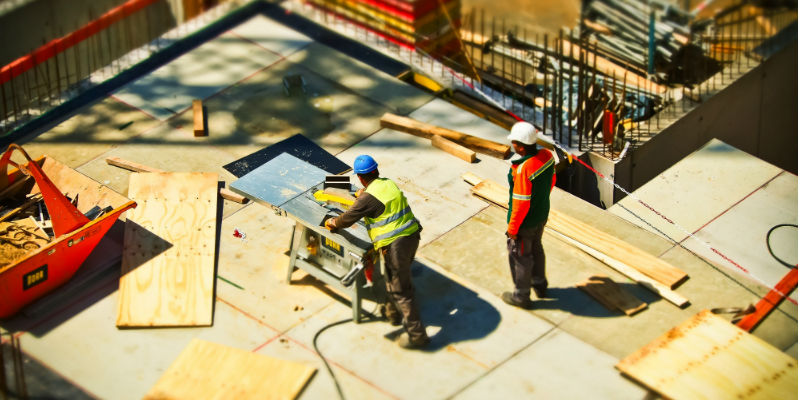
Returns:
(358, 192)
(330, 225)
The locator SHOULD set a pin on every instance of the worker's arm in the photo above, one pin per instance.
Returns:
(365, 206)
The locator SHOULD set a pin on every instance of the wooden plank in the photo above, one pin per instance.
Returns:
(206, 370)
(706, 357)
(199, 118)
(167, 275)
(611, 295)
(648, 283)
(644, 262)
(421, 129)
(773, 299)
(498, 194)
(136, 167)
(453, 148)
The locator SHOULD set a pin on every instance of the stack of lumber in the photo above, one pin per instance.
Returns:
(419, 24)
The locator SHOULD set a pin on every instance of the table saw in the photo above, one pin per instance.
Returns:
(287, 185)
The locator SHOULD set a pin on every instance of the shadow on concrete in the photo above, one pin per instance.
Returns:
(458, 311)
(577, 302)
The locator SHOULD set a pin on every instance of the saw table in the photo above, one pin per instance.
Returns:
(287, 185)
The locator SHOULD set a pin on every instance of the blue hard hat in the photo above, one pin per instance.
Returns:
(364, 164)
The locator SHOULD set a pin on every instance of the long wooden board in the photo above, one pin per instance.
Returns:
(611, 295)
(453, 148)
(421, 129)
(206, 370)
(644, 262)
(167, 276)
(498, 194)
(706, 357)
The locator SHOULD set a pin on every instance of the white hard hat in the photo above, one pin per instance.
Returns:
(523, 132)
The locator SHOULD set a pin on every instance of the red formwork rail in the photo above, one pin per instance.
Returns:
(411, 12)
(59, 45)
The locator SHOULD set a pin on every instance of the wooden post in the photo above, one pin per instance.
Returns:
(199, 118)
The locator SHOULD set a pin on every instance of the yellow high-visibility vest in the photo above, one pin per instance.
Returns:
(397, 219)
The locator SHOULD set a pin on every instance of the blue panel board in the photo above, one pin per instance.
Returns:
(279, 180)
(298, 146)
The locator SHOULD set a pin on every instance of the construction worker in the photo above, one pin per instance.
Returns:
(395, 232)
(530, 180)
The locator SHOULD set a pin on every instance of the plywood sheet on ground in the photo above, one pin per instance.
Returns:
(708, 357)
(213, 371)
(167, 276)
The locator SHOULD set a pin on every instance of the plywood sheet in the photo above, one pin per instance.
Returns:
(206, 370)
(707, 357)
(167, 276)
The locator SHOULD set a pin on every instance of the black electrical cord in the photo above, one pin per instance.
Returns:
(319, 353)
(770, 247)
(324, 361)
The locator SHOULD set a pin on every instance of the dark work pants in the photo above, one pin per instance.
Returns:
(398, 257)
(526, 259)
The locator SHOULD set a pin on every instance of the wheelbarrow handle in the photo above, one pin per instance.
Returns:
(66, 217)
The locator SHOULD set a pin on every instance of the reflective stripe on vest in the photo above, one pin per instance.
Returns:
(397, 219)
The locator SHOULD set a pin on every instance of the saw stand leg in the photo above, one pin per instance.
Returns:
(294, 244)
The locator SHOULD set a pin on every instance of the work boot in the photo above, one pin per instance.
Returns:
(541, 291)
(406, 343)
(391, 314)
(508, 298)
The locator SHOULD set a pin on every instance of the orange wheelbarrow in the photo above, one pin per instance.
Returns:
(45, 267)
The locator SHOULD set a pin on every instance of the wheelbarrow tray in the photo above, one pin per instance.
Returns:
(45, 269)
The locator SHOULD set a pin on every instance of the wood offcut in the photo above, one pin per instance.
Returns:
(199, 118)
(706, 357)
(611, 295)
(206, 370)
(421, 129)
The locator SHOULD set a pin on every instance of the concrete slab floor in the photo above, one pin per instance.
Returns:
(479, 345)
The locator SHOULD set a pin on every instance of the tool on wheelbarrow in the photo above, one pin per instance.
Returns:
(48, 266)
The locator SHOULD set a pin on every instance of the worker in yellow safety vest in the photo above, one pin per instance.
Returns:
(395, 232)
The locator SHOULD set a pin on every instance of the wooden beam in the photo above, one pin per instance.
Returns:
(136, 167)
(644, 262)
(453, 148)
(773, 299)
(199, 118)
(611, 295)
(421, 129)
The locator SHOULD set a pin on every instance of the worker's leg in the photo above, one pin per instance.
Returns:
(538, 277)
(520, 260)
(398, 257)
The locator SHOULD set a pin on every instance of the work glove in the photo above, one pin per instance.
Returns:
(330, 226)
